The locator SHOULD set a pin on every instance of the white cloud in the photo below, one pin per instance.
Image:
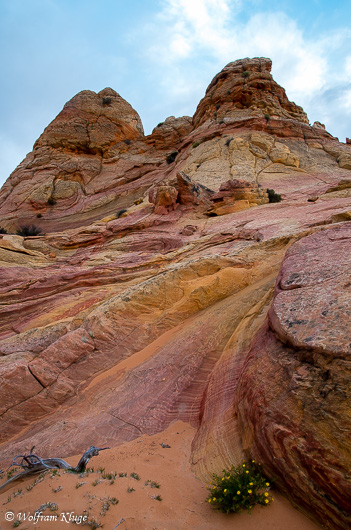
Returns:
(195, 35)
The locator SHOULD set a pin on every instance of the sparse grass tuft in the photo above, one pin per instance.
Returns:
(157, 497)
(28, 231)
(135, 476)
(152, 483)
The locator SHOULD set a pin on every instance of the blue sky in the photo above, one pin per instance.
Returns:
(160, 55)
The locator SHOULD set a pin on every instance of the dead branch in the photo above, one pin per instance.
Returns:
(33, 464)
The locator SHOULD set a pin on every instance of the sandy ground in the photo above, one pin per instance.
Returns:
(182, 503)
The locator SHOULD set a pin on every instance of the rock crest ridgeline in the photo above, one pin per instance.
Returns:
(167, 286)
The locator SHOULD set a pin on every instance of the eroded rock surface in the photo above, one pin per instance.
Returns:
(294, 392)
(146, 299)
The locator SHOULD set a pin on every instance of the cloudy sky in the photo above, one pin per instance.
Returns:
(160, 55)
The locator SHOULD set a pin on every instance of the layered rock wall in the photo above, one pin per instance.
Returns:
(158, 288)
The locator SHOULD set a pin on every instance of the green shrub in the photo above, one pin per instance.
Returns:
(171, 158)
(28, 230)
(119, 213)
(246, 73)
(267, 116)
(195, 144)
(3, 230)
(106, 101)
(241, 488)
(273, 196)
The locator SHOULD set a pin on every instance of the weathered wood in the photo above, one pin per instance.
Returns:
(33, 464)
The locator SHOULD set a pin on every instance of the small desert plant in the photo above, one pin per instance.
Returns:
(152, 484)
(122, 474)
(109, 476)
(113, 500)
(127, 141)
(160, 124)
(3, 230)
(135, 476)
(273, 196)
(138, 201)
(16, 523)
(227, 142)
(171, 158)
(157, 497)
(106, 101)
(96, 482)
(39, 215)
(129, 490)
(239, 489)
(93, 524)
(196, 144)
(246, 73)
(28, 230)
(267, 116)
(120, 212)
(51, 201)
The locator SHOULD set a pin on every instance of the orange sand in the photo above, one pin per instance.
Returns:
(182, 506)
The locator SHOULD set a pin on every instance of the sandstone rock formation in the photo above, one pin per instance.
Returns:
(167, 287)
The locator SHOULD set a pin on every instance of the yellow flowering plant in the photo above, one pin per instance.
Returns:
(239, 489)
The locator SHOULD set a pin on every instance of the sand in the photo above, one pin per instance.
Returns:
(183, 497)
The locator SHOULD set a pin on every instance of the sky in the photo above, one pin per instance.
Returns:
(160, 55)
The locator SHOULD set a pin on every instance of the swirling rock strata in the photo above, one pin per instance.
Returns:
(294, 392)
(145, 298)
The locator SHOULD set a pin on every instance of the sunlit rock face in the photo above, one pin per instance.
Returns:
(166, 285)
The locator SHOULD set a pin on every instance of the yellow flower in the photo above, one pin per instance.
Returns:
(243, 465)
(214, 487)
(247, 471)
(225, 491)
(253, 461)
(209, 500)
(249, 491)
(251, 483)
(228, 478)
(214, 498)
(223, 478)
(272, 499)
(238, 492)
(266, 501)
(266, 494)
(267, 483)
